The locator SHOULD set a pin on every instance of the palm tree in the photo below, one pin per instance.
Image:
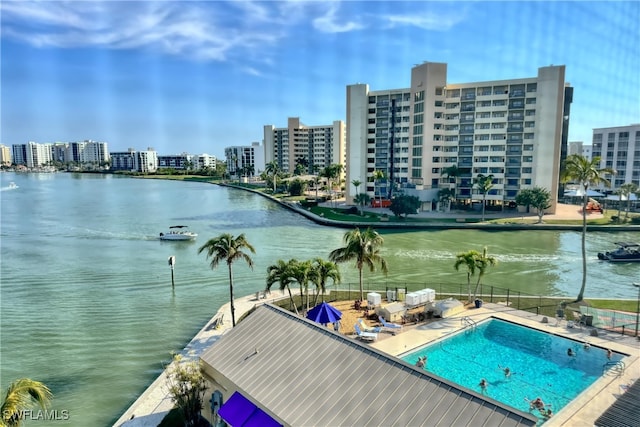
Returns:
(227, 248)
(324, 270)
(378, 175)
(584, 172)
(361, 200)
(364, 248)
(626, 190)
(356, 183)
(468, 259)
(272, 169)
(303, 273)
(485, 184)
(452, 172)
(281, 273)
(483, 261)
(21, 395)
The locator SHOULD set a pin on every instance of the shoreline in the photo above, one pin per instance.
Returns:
(295, 207)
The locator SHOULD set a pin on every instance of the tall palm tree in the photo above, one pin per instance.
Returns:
(364, 248)
(468, 260)
(626, 190)
(483, 262)
(584, 172)
(303, 273)
(280, 272)
(324, 270)
(485, 184)
(356, 183)
(21, 395)
(378, 175)
(272, 169)
(229, 249)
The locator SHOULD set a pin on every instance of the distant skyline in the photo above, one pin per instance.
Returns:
(200, 76)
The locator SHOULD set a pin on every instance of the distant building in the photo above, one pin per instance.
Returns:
(575, 147)
(32, 154)
(5, 155)
(512, 129)
(619, 149)
(315, 147)
(181, 161)
(245, 160)
(587, 151)
(135, 161)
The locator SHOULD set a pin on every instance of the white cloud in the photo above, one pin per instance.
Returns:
(329, 22)
(427, 21)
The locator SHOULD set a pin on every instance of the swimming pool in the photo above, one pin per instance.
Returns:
(538, 362)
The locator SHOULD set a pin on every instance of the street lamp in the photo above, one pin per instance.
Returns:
(637, 285)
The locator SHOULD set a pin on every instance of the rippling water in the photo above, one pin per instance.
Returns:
(86, 300)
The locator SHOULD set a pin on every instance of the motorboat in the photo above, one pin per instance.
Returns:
(626, 252)
(178, 232)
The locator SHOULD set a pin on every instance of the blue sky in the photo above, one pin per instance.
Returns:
(199, 76)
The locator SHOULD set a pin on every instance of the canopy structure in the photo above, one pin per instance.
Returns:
(239, 411)
(324, 313)
(580, 193)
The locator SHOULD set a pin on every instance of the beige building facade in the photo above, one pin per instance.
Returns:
(511, 129)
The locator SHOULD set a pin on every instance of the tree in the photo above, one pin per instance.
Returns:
(303, 273)
(451, 173)
(21, 395)
(297, 187)
(281, 273)
(537, 197)
(584, 172)
(356, 183)
(625, 191)
(467, 259)
(446, 195)
(324, 270)
(362, 199)
(272, 169)
(483, 262)
(485, 184)
(229, 249)
(187, 387)
(378, 175)
(404, 205)
(364, 248)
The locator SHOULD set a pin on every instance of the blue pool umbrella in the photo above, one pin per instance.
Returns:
(324, 313)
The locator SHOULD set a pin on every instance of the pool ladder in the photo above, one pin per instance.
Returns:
(614, 367)
(467, 321)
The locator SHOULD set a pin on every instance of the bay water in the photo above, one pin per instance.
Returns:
(86, 303)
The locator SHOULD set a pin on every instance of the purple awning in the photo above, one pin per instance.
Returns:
(239, 411)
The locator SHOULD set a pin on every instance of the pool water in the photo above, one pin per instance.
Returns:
(538, 361)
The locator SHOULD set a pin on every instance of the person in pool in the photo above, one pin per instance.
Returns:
(536, 403)
(506, 370)
(422, 361)
(483, 385)
(570, 352)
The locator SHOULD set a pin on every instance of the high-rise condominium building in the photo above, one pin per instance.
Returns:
(313, 147)
(244, 160)
(438, 135)
(619, 149)
(5, 155)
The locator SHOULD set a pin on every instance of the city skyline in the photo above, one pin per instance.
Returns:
(201, 76)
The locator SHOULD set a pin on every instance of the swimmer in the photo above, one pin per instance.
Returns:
(546, 414)
(609, 353)
(570, 352)
(422, 361)
(483, 384)
(537, 403)
(586, 345)
(506, 370)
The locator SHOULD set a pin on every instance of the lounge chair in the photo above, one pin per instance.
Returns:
(365, 328)
(365, 336)
(390, 327)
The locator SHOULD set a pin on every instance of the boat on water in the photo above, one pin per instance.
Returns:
(626, 252)
(178, 232)
(12, 186)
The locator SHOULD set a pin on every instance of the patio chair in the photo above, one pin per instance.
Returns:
(390, 327)
(365, 336)
(365, 328)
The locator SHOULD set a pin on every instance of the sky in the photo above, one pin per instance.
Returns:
(199, 76)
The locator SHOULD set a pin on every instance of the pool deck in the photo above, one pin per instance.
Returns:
(154, 403)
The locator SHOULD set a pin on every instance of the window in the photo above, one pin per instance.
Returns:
(527, 159)
(419, 96)
(419, 107)
(434, 160)
(439, 103)
(531, 101)
(418, 118)
(527, 147)
(417, 130)
(530, 113)
(439, 91)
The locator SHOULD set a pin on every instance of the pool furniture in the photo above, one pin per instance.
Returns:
(365, 336)
(390, 327)
(365, 328)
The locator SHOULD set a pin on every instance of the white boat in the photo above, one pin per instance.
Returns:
(12, 186)
(178, 232)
